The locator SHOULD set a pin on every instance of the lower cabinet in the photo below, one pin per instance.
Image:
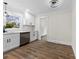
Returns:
(10, 41)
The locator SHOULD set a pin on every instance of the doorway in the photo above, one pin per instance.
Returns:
(43, 27)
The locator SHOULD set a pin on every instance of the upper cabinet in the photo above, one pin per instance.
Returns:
(29, 19)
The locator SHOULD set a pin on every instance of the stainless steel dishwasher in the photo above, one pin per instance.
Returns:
(24, 38)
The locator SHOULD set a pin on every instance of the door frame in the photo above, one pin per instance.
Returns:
(40, 26)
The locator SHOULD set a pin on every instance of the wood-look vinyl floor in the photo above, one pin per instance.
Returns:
(41, 50)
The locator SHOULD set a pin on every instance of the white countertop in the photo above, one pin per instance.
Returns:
(14, 32)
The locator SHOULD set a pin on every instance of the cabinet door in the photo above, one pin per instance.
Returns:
(5, 47)
(11, 41)
(6, 43)
(14, 40)
(29, 19)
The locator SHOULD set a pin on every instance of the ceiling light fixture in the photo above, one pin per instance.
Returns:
(5, 9)
(55, 3)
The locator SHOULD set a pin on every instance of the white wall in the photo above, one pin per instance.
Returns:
(59, 27)
(74, 27)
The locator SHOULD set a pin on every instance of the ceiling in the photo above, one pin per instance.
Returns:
(36, 6)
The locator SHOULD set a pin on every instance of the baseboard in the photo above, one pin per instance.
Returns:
(60, 42)
(74, 51)
(34, 40)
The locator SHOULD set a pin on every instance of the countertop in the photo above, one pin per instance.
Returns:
(14, 32)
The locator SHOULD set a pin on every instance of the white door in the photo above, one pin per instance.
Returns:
(43, 27)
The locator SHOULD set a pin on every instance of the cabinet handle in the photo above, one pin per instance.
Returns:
(7, 40)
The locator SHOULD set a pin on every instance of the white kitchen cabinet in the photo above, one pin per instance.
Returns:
(29, 19)
(10, 41)
(32, 34)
